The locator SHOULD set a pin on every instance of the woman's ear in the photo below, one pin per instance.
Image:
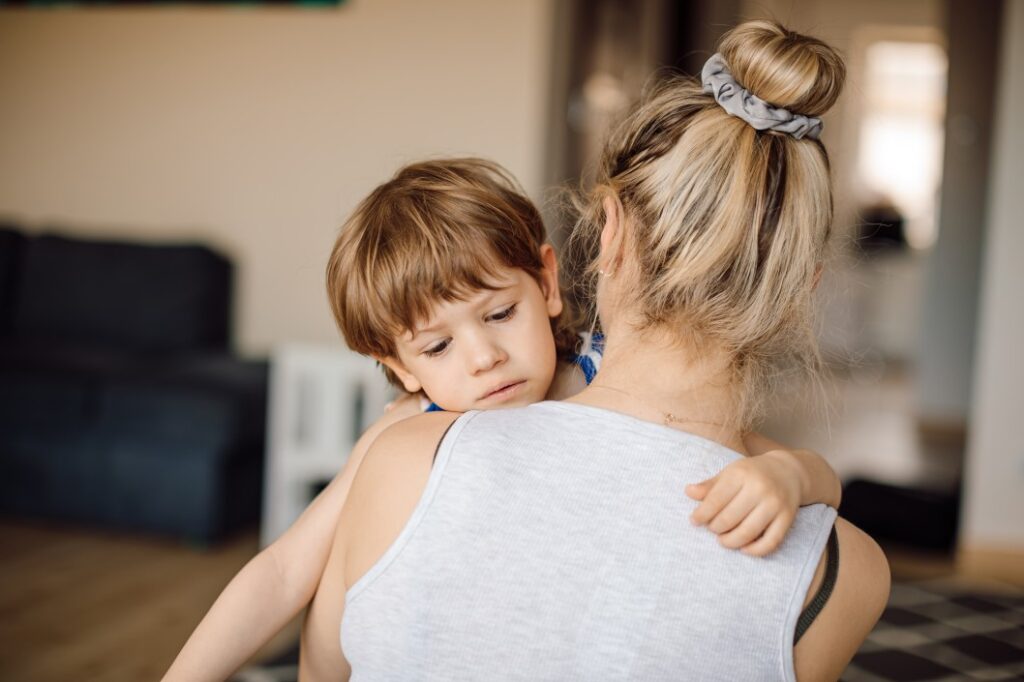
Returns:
(549, 280)
(611, 235)
(409, 382)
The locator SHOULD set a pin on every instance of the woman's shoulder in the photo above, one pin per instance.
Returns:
(398, 463)
(412, 437)
(388, 486)
(857, 601)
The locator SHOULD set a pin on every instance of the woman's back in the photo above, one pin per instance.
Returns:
(553, 542)
(567, 553)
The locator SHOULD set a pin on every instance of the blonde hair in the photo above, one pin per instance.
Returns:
(437, 231)
(726, 226)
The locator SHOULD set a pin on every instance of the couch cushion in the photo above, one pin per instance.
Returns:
(193, 415)
(11, 242)
(122, 296)
(197, 403)
(173, 445)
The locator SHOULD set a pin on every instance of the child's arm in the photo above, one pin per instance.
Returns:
(818, 482)
(752, 503)
(278, 582)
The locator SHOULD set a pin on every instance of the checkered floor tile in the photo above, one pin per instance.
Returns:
(930, 632)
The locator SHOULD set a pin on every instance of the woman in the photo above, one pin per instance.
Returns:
(550, 542)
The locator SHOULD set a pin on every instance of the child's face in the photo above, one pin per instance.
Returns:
(495, 349)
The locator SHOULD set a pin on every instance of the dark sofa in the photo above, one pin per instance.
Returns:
(121, 403)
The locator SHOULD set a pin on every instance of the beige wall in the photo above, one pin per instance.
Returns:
(258, 130)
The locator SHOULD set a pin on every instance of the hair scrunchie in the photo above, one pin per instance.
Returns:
(742, 103)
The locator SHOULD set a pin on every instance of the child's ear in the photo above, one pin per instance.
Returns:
(549, 280)
(409, 382)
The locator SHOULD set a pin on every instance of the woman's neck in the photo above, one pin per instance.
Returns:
(568, 382)
(649, 376)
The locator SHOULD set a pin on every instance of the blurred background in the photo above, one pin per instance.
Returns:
(172, 178)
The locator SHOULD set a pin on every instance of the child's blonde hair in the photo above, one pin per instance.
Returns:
(437, 231)
(726, 225)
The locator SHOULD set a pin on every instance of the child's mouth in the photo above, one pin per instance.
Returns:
(504, 391)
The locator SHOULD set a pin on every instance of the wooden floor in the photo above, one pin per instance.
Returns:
(104, 607)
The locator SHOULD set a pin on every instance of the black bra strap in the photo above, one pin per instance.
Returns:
(808, 615)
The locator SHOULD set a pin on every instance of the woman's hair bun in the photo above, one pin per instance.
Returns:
(786, 69)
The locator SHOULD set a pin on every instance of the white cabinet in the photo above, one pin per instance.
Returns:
(320, 400)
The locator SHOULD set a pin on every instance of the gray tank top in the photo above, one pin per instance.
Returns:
(553, 542)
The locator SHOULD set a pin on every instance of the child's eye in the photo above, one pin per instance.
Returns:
(437, 348)
(503, 314)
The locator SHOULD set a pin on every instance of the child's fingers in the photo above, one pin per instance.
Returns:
(749, 530)
(772, 537)
(697, 491)
(733, 514)
(723, 490)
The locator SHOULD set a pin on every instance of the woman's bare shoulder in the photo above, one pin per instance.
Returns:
(401, 455)
(388, 486)
(858, 599)
(412, 437)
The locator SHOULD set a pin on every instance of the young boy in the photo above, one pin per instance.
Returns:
(443, 274)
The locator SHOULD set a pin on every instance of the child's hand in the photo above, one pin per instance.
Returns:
(751, 503)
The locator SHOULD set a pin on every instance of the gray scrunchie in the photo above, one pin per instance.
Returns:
(739, 102)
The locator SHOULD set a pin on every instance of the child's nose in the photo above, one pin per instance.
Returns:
(486, 355)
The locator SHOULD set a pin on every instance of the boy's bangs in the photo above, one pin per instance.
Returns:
(447, 274)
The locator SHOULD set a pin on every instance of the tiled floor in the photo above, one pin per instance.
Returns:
(935, 632)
